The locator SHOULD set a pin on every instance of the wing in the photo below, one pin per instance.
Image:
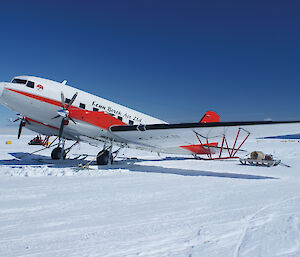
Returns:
(168, 137)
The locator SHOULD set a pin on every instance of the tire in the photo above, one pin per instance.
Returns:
(56, 153)
(104, 157)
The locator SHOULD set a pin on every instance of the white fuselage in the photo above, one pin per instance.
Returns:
(41, 100)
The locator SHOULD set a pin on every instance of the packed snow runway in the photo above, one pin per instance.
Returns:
(152, 206)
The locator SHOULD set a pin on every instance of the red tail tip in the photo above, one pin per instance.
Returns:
(210, 116)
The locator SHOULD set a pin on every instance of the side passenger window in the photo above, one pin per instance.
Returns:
(30, 84)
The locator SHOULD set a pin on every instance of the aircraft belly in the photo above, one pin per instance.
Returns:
(41, 129)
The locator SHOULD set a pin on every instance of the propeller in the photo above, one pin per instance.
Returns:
(64, 113)
(23, 122)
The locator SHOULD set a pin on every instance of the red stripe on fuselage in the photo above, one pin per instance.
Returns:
(99, 119)
(37, 97)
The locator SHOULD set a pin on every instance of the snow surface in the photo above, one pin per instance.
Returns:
(152, 206)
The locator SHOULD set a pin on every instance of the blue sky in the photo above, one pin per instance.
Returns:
(171, 59)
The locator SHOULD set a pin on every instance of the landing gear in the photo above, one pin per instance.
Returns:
(104, 157)
(60, 152)
(57, 153)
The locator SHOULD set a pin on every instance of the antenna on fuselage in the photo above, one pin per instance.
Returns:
(64, 82)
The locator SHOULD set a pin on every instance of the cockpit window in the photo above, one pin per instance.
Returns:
(30, 84)
(19, 81)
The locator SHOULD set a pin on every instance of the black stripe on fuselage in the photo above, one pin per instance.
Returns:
(196, 125)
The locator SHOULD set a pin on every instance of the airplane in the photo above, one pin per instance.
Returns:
(56, 109)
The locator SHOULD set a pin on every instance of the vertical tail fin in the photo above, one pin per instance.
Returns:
(210, 116)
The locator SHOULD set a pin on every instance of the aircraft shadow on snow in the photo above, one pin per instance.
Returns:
(186, 172)
(23, 158)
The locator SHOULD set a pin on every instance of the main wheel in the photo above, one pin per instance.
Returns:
(104, 157)
(56, 153)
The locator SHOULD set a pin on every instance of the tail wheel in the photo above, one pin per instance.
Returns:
(104, 157)
(56, 154)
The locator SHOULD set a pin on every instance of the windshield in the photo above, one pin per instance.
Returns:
(19, 81)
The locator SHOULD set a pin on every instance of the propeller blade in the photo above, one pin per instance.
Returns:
(62, 100)
(20, 129)
(57, 116)
(16, 119)
(72, 120)
(72, 100)
(61, 129)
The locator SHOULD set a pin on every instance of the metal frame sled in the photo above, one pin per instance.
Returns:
(258, 158)
(255, 162)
